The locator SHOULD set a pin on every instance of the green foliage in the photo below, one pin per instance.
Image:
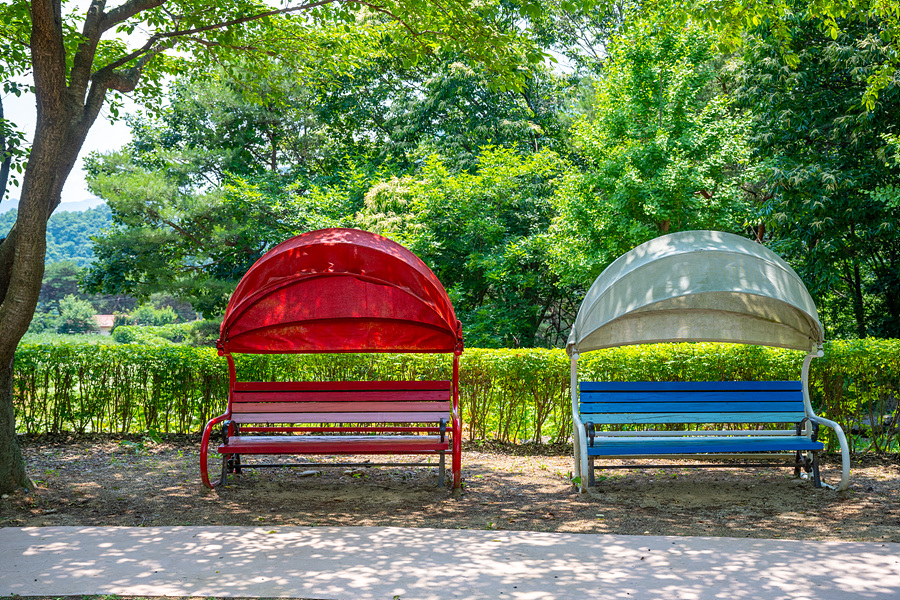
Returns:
(60, 280)
(829, 204)
(83, 384)
(75, 316)
(68, 233)
(146, 314)
(174, 333)
(781, 19)
(663, 151)
(859, 386)
(480, 234)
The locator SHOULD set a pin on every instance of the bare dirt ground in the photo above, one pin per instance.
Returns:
(137, 482)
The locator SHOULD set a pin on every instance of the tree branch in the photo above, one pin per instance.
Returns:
(48, 55)
(125, 11)
(247, 19)
(84, 56)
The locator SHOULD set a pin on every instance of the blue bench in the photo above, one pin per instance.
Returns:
(712, 420)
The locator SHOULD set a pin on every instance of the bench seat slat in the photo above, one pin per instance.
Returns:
(631, 446)
(341, 396)
(335, 407)
(679, 386)
(689, 407)
(340, 417)
(667, 417)
(335, 444)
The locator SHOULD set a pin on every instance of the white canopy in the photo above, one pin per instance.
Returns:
(697, 286)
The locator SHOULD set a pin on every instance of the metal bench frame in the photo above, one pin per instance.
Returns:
(699, 404)
(334, 418)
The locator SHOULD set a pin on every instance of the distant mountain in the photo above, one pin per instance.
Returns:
(81, 205)
(68, 232)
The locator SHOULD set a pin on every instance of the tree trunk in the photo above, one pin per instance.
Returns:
(60, 131)
(12, 465)
(858, 306)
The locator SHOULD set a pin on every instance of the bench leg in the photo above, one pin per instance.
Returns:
(441, 472)
(799, 461)
(591, 481)
(224, 475)
(817, 479)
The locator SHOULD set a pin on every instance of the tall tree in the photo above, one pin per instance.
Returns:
(77, 62)
(830, 203)
(732, 19)
(218, 178)
(481, 233)
(662, 152)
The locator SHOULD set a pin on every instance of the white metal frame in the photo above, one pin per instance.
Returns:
(583, 464)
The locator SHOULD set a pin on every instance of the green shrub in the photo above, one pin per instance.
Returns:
(510, 395)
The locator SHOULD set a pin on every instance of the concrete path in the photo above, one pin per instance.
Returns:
(359, 563)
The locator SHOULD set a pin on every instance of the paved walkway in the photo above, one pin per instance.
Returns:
(359, 563)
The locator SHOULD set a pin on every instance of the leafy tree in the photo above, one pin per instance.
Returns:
(76, 316)
(732, 19)
(446, 108)
(480, 234)
(830, 203)
(664, 151)
(194, 205)
(60, 281)
(68, 233)
(76, 64)
(146, 314)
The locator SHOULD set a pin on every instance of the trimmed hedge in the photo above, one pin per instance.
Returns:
(510, 395)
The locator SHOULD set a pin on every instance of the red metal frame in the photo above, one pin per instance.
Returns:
(337, 291)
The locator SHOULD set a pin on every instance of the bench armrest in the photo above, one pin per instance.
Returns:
(443, 429)
(845, 450)
(815, 428)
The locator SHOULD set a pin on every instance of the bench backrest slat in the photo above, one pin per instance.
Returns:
(341, 402)
(629, 386)
(341, 417)
(302, 386)
(341, 396)
(621, 403)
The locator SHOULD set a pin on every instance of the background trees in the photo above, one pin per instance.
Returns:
(481, 234)
(829, 203)
(664, 150)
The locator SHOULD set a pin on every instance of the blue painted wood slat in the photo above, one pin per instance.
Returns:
(690, 397)
(665, 417)
(690, 407)
(635, 446)
(627, 386)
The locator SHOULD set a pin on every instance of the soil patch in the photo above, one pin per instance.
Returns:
(103, 481)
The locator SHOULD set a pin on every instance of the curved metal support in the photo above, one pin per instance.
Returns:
(579, 443)
(204, 450)
(839, 432)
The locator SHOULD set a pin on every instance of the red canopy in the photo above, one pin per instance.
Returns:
(339, 290)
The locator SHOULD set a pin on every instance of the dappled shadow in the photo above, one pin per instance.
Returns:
(363, 562)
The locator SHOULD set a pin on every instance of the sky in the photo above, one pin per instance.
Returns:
(103, 136)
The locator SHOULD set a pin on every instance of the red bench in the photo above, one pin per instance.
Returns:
(337, 291)
(334, 418)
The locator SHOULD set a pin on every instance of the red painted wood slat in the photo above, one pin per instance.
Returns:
(309, 444)
(342, 396)
(335, 407)
(340, 417)
(340, 385)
